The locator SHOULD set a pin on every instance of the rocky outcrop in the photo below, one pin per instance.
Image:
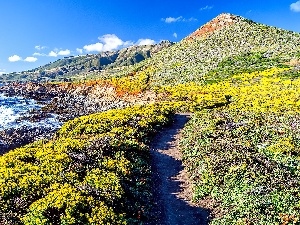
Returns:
(34, 90)
(224, 19)
(16, 137)
(65, 101)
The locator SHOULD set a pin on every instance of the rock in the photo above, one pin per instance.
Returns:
(16, 137)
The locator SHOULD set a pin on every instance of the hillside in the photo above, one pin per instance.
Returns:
(239, 80)
(81, 65)
(220, 48)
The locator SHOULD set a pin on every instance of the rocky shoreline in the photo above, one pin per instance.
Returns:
(17, 137)
(66, 101)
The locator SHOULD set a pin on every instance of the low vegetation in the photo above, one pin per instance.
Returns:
(241, 149)
(243, 157)
(95, 171)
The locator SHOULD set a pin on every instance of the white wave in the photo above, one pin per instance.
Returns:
(7, 116)
(13, 108)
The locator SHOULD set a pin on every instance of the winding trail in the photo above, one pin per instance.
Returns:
(172, 190)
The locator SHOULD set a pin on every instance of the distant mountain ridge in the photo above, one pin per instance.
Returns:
(74, 65)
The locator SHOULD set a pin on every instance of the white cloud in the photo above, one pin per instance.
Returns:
(175, 35)
(39, 54)
(30, 59)
(79, 50)
(39, 47)
(295, 6)
(111, 42)
(98, 47)
(55, 53)
(145, 41)
(178, 19)
(108, 42)
(14, 58)
(208, 7)
(52, 54)
(172, 19)
(127, 44)
(190, 19)
(1, 73)
(64, 52)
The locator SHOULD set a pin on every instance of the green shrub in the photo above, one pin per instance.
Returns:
(247, 162)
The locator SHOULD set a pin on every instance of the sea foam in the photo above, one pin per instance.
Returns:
(12, 108)
(7, 116)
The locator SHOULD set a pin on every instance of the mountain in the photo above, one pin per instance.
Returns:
(74, 65)
(223, 46)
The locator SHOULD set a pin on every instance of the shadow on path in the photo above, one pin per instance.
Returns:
(170, 207)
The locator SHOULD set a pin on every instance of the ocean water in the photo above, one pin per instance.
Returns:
(13, 108)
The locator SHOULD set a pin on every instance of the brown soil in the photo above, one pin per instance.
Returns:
(218, 23)
(173, 192)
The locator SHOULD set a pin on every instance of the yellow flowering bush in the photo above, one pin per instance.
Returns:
(92, 172)
(242, 148)
(133, 83)
(257, 91)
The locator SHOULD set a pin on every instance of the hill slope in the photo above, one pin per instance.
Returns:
(225, 42)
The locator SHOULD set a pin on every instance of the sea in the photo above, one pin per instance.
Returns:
(13, 109)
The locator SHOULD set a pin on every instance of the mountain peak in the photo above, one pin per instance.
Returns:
(222, 20)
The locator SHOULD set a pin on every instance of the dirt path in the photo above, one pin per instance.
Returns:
(172, 190)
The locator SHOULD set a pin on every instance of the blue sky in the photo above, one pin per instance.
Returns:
(36, 32)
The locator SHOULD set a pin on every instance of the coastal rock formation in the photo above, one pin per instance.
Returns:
(66, 101)
(16, 137)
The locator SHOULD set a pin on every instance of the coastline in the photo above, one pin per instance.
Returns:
(64, 101)
(25, 122)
